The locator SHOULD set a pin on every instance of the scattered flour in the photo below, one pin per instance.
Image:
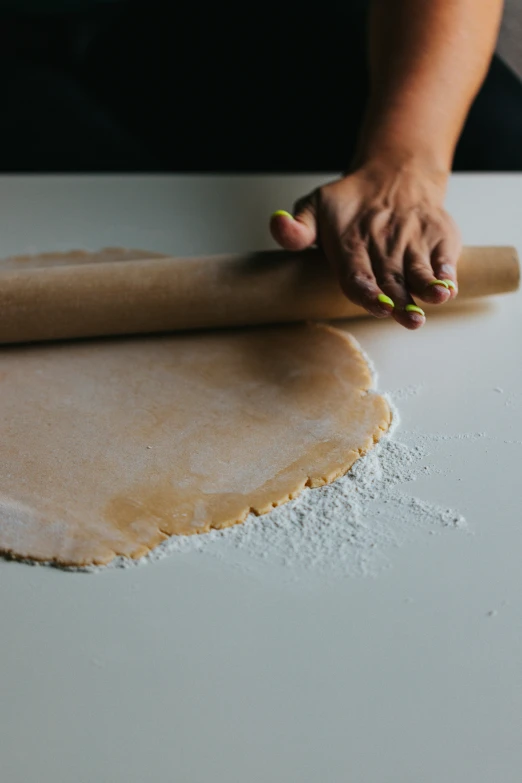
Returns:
(406, 392)
(344, 529)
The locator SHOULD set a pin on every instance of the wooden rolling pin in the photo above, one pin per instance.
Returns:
(128, 292)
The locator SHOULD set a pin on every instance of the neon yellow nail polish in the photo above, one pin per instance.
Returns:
(439, 282)
(383, 299)
(282, 212)
(450, 284)
(414, 309)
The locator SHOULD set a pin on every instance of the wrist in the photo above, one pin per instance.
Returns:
(390, 161)
(404, 156)
(415, 178)
(402, 138)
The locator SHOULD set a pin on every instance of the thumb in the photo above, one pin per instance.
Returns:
(297, 231)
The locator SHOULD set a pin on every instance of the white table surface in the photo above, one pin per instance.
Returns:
(190, 671)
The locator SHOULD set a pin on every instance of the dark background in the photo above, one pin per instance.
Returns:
(180, 87)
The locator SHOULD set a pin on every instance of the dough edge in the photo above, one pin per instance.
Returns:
(159, 537)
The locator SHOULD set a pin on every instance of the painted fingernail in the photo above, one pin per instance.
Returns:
(414, 309)
(450, 284)
(383, 299)
(282, 212)
(443, 283)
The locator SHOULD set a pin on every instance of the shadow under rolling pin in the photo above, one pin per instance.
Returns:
(87, 296)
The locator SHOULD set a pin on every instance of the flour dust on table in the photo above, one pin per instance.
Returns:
(345, 529)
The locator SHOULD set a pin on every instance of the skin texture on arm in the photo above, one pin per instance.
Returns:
(383, 226)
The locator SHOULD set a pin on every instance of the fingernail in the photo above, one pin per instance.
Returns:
(383, 299)
(445, 269)
(414, 309)
(439, 282)
(282, 212)
(450, 284)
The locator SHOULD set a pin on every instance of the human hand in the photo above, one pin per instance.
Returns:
(386, 234)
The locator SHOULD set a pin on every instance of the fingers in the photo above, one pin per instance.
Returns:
(420, 278)
(389, 273)
(444, 258)
(357, 279)
(297, 231)
(388, 243)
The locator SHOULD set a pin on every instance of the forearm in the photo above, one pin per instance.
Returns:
(428, 59)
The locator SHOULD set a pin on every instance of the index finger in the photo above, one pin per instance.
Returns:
(354, 271)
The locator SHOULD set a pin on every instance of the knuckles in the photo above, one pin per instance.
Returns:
(358, 279)
(391, 279)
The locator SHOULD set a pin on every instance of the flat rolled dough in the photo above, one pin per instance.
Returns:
(108, 447)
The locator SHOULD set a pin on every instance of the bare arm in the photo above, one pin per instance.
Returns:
(428, 59)
(383, 226)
